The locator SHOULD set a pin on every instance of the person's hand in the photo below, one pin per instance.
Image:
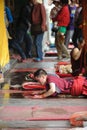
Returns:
(31, 75)
(82, 45)
(35, 92)
(37, 96)
(44, 28)
(80, 26)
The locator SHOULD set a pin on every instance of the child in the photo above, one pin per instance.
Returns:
(56, 85)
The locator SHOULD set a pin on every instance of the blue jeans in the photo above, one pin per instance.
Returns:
(28, 45)
(22, 36)
(38, 44)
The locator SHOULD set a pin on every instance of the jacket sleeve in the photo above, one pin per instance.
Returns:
(9, 14)
(43, 14)
(64, 16)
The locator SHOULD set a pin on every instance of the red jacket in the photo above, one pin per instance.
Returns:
(63, 17)
(39, 14)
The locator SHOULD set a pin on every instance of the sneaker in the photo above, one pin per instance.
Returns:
(37, 59)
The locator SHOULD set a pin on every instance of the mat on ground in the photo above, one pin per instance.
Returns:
(38, 112)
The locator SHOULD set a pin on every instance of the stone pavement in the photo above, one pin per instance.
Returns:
(18, 112)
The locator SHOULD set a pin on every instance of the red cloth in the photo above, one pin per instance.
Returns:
(78, 118)
(84, 92)
(79, 86)
(32, 85)
(63, 16)
(63, 75)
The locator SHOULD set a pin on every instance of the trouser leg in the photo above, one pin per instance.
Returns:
(62, 49)
(28, 44)
(16, 43)
(16, 46)
(38, 44)
(68, 36)
(57, 44)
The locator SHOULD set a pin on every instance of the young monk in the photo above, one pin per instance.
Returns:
(56, 85)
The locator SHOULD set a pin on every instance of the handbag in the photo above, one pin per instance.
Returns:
(36, 29)
(54, 28)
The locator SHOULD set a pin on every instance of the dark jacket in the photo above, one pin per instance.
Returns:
(25, 17)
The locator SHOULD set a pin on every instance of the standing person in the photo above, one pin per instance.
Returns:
(63, 19)
(56, 85)
(70, 29)
(38, 27)
(77, 58)
(22, 32)
(78, 23)
(53, 13)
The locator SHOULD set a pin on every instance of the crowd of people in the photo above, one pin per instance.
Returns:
(31, 23)
(68, 20)
(67, 24)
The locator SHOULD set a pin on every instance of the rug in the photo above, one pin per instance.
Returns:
(34, 113)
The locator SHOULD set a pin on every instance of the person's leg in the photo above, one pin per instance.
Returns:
(38, 44)
(67, 38)
(75, 37)
(63, 46)
(16, 43)
(16, 46)
(28, 42)
(57, 43)
(69, 35)
(20, 34)
(80, 33)
(64, 50)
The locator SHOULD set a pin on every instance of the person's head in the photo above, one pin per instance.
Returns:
(64, 2)
(73, 1)
(41, 75)
(81, 42)
(34, 2)
(29, 2)
(56, 2)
